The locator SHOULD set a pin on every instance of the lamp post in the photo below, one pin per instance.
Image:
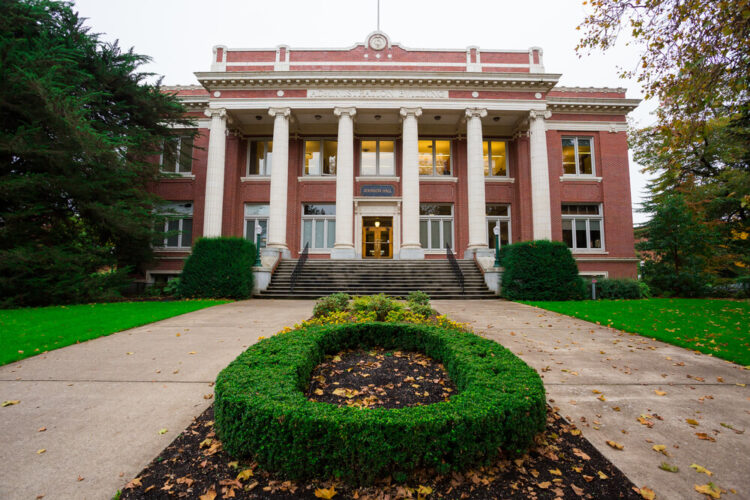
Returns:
(496, 230)
(258, 231)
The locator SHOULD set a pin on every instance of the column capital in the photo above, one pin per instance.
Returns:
(476, 112)
(285, 112)
(540, 114)
(415, 112)
(345, 111)
(220, 112)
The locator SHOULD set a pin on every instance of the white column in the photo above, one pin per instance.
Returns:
(344, 246)
(475, 182)
(215, 172)
(279, 181)
(540, 197)
(410, 246)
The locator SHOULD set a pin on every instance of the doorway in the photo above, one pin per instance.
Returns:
(377, 237)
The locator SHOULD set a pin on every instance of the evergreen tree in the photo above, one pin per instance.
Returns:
(77, 124)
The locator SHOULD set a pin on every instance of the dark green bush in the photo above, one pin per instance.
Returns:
(336, 302)
(418, 297)
(621, 288)
(380, 304)
(219, 268)
(540, 270)
(261, 410)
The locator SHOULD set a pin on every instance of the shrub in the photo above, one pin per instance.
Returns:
(422, 310)
(337, 302)
(261, 409)
(540, 270)
(380, 304)
(618, 289)
(219, 268)
(419, 298)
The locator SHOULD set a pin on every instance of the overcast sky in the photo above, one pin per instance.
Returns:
(179, 34)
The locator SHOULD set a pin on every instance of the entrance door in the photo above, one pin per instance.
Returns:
(377, 237)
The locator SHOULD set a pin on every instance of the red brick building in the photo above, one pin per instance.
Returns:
(380, 151)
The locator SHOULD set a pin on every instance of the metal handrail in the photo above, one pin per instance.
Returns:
(456, 268)
(298, 268)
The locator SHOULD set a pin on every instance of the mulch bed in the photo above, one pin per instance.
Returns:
(561, 464)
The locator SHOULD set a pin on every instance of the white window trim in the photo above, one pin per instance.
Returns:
(441, 218)
(587, 218)
(180, 246)
(377, 140)
(578, 174)
(605, 274)
(503, 218)
(304, 151)
(490, 175)
(176, 166)
(256, 218)
(263, 172)
(313, 218)
(434, 173)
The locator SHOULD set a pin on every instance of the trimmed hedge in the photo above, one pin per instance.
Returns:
(540, 270)
(219, 268)
(261, 410)
(620, 288)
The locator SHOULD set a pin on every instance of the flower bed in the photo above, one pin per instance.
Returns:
(262, 412)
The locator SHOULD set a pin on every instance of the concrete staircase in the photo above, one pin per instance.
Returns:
(367, 277)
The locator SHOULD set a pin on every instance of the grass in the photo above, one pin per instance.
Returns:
(30, 331)
(715, 327)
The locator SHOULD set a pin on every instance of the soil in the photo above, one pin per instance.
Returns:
(562, 464)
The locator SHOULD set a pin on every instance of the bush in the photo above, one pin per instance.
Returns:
(219, 268)
(423, 310)
(261, 410)
(540, 270)
(666, 283)
(618, 289)
(337, 302)
(380, 304)
(419, 298)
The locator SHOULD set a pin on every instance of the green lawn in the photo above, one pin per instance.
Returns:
(717, 327)
(30, 331)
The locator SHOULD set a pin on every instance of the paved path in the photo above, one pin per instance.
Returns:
(104, 402)
(576, 358)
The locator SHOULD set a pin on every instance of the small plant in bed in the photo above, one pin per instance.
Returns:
(265, 409)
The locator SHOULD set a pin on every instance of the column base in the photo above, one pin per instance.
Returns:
(282, 252)
(411, 253)
(479, 252)
(343, 253)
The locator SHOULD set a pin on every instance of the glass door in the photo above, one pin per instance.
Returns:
(377, 237)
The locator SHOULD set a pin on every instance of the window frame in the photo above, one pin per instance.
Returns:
(178, 155)
(500, 218)
(588, 218)
(265, 170)
(326, 218)
(578, 173)
(442, 219)
(489, 158)
(434, 157)
(256, 219)
(180, 218)
(322, 141)
(377, 140)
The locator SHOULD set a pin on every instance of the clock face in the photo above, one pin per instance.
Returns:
(377, 42)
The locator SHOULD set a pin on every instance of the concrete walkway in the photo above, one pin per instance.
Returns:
(577, 358)
(104, 402)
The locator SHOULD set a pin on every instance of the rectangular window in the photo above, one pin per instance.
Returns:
(494, 154)
(434, 157)
(377, 157)
(582, 227)
(259, 158)
(319, 226)
(578, 156)
(498, 216)
(256, 216)
(177, 155)
(320, 157)
(436, 226)
(175, 225)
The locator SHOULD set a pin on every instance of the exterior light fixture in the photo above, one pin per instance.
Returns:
(377, 117)
(318, 117)
(497, 119)
(438, 117)
(258, 117)
(377, 223)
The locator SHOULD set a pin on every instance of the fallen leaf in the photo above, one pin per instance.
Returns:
(135, 483)
(705, 437)
(162, 431)
(327, 493)
(39, 452)
(660, 393)
(691, 421)
(319, 392)
(709, 489)
(615, 445)
(209, 495)
(602, 475)
(423, 490)
(80, 478)
(669, 468)
(245, 475)
(42, 429)
(206, 442)
(233, 465)
(581, 454)
(555, 472)
(11, 402)
(544, 485)
(699, 468)
(193, 352)
(647, 493)
(661, 448)
(578, 491)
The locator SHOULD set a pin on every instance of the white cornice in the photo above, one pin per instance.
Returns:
(585, 126)
(591, 105)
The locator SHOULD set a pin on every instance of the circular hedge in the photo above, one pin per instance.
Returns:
(261, 410)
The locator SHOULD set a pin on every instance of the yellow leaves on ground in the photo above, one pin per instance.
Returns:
(602, 475)
(616, 445)
(709, 489)
(39, 452)
(601, 397)
(245, 475)
(162, 431)
(661, 448)
(647, 493)
(209, 495)
(699, 468)
(555, 472)
(660, 393)
(669, 467)
(326, 493)
(423, 491)
(691, 421)
(10, 402)
(318, 392)
(347, 393)
(544, 485)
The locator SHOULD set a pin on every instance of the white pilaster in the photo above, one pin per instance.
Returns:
(279, 181)
(477, 210)
(215, 172)
(344, 246)
(540, 201)
(410, 248)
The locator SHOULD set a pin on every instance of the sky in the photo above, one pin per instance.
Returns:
(179, 35)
